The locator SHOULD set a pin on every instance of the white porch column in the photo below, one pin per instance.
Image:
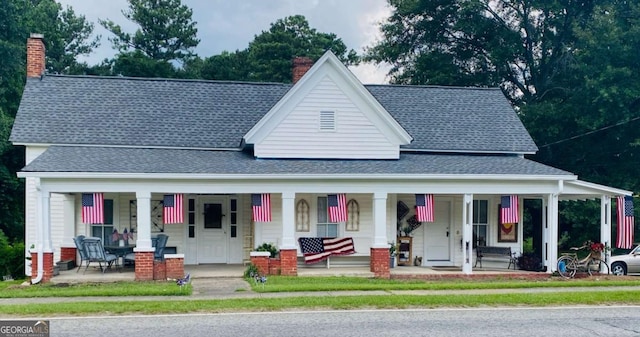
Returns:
(288, 221)
(545, 234)
(380, 220)
(605, 225)
(46, 222)
(143, 202)
(69, 211)
(552, 216)
(467, 234)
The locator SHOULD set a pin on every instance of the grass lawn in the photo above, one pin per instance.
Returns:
(297, 284)
(321, 303)
(305, 301)
(13, 289)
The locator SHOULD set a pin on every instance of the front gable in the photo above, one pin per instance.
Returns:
(328, 114)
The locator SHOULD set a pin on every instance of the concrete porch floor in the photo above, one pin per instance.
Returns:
(93, 274)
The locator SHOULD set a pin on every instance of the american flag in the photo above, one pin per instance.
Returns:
(424, 207)
(93, 208)
(509, 209)
(625, 222)
(172, 208)
(319, 249)
(337, 207)
(261, 207)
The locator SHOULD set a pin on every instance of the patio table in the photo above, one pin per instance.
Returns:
(120, 251)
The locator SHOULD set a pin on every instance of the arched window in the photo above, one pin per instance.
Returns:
(302, 216)
(353, 216)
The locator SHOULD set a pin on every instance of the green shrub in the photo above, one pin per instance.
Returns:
(251, 271)
(11, 258)
(268, 247)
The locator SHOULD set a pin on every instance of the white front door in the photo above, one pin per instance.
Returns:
(212, 227)
(437, 235)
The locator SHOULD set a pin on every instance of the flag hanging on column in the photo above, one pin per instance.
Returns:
(625, 222)
(172, 208)
(337, 207)
(509, 209)
(261, 207)
(93, 208)
(424, 207)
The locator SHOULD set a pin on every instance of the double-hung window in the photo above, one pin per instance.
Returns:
(325, 229)
(480, 222)
(105, 230)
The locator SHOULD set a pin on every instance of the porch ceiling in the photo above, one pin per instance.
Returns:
(119, 160)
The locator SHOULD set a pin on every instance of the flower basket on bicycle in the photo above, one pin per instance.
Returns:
(569, 263)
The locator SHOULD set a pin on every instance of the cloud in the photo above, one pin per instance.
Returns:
(231, 25)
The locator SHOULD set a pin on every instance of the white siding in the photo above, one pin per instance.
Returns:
(271, 232)
(362, 239)
(299, 135)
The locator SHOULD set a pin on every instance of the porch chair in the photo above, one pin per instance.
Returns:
(159, 242)
(96, 253)
(79, 241)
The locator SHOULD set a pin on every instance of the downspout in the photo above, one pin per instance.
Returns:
(39, 237)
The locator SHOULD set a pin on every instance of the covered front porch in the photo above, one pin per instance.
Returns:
(218, 226)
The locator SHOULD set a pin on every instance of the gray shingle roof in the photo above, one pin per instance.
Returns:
(86, 110)
(137, 160)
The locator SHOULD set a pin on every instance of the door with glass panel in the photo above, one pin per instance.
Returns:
(213, 230)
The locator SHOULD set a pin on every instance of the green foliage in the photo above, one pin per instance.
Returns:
(268, 247)
(11, 258)
(268, 57)
(480, 43)
(251, 271)
(527, 245)
(392, 249)
(166, 30)
(66, 37)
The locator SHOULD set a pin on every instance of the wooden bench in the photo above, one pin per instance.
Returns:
(497, 252)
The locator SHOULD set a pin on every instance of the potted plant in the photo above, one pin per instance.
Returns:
(392, 254)
(268, 247)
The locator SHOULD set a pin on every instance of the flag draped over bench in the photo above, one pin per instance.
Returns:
(319, 249)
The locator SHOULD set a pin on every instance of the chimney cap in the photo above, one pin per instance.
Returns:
(36, 36)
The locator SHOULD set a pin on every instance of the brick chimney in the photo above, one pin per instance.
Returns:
(35, 55)
(300, 67)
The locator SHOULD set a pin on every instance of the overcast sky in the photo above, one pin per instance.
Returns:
(232, 24)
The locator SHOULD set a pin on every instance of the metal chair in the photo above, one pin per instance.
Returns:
(96, 253)
(79, 241)
(159, 242)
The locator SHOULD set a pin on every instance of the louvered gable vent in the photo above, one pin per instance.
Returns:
(327, 121)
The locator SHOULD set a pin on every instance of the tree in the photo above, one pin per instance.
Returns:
(522, 45)
(167, 32)
(66, 37)
(268, 57)
(227, 66)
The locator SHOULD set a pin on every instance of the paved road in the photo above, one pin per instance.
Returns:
(548, 322)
